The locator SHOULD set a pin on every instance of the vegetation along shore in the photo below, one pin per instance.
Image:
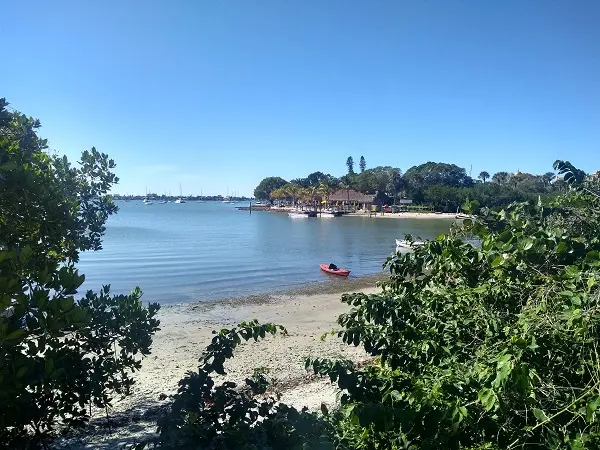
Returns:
(439, 187)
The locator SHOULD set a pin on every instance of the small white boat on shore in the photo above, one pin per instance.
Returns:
(464, 216)
(402, 243)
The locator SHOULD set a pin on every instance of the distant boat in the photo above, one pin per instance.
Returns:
(464, 216)
(146, 200)
(296, 215)
(407, 244)
(327, 214)
(180, 199)
(162, 202)
(331, 268)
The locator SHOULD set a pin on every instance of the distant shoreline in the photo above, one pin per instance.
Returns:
(378, 215)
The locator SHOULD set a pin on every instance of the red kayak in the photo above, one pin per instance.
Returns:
(337, 271)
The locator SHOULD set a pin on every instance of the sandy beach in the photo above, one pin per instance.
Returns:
(379, 215)
(306, 313)
(405, 215)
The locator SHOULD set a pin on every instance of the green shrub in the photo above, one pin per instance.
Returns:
(58, 355)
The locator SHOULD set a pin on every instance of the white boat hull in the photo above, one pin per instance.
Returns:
(409, 245)
(298, 215)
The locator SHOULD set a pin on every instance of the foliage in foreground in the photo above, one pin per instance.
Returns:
(225, 416)
(477, 346)
(58, 355)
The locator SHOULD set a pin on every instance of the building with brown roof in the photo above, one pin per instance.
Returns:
(350, 199)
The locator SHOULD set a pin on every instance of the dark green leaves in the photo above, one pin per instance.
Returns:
(49, 212)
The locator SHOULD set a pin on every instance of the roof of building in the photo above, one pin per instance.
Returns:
(343, 195)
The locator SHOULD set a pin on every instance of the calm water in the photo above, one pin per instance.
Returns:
(204, 251)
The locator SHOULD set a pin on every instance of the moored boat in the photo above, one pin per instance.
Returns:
(464, 216)
(408, 244)
(297, 215)
(180, 199)
(334, 270)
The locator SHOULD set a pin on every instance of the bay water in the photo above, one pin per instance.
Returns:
(194, 251)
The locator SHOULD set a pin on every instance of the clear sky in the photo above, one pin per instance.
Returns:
(218, 94)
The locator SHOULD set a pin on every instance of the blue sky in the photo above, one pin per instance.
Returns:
(219, 94)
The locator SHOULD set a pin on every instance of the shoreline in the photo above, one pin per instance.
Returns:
(407, 215)
(335, 285)
(186, 329)
(379, 215)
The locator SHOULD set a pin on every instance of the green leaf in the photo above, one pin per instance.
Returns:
(487, 397)
(592, 407)
(497, 261)
(562, 247)
(504, 359)
(396, 396)
(7, 166)
(15, 334)
(21, 372)
(593, 258)
(324, 410)
(591, 282)
(540, 415)
(25, 254)
(505, 236)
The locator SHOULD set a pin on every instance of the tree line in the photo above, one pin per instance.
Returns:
(440, 186)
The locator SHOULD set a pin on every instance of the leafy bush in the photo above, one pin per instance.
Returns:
(480, 347)
(58, 355)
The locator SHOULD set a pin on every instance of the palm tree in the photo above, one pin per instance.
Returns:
(483, 176)
(547, 178)
(293, 191)
(344, 185)
(305, 194)
(278, 194)
(501, 177)
(324, 190)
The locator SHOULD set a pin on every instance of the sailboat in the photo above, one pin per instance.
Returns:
(227, 199)
(201, 196)
(146, 200)
(180, 199)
